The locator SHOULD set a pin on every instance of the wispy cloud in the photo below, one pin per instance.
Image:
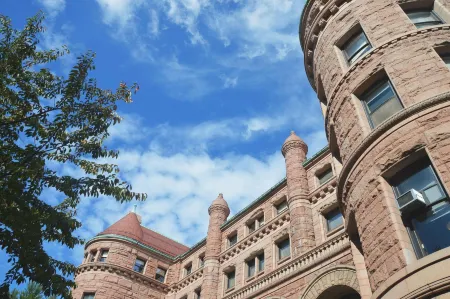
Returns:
(53, 7)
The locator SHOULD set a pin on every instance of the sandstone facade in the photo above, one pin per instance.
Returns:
(336, 226)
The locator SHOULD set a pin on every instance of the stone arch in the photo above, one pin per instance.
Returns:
(341, 275)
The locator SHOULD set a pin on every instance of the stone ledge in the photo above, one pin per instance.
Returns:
(427, 289)
(122, 271)
(194, 276)
(294, 267)
(323, 190)
(254, 237)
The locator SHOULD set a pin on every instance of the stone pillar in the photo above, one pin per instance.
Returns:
(218, 213)
(361, 273)
(302, 230)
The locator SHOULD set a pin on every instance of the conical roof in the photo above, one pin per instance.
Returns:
(294, 141)
(220, 201)
(130, 226)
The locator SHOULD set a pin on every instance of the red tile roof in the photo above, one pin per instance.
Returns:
(129, 226)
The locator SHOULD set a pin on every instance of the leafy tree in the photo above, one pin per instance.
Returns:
(32, 291)
(45, 120)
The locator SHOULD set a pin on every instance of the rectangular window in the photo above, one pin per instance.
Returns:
(251, 268)
(446, 58)
(380, 103)
(201, 261)
(281, 207)
(424, 18)
(86, 256)
(428, 224)
(231, 279)
(188, 269)
(103, 255)
(260, 221)
(334, 219)
(88, 296)
(160, 274)
(198, 293)
(139, 266)
(325, 176)
(232, 240)
(252, 227)
(260, 259)
(93, 255)
(284, 249)
(356, 47)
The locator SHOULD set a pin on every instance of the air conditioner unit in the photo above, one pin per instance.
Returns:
(411, 201)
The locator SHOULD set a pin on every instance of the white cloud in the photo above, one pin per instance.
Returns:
(153, 25)
(120, 12)
(229, 82)
(54, 7)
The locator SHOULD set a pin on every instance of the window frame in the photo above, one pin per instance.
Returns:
(232, 237)
(433, 13)
(201, 260)
(198, 293)
(92, 256)
(158, 274)
(227, 278)
(143, 266)
(187, 269)
(279, 249)
(376, 88)
(88, 294)
(280, 211)
(324, 173)
(326, 216)
(395, 181)
(352, 59)
(102, 259)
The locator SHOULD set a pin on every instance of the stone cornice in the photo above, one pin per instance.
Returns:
(374, 52)
(191, 278)
(254, 237)
(302, 263)
(377, 132)
(124, 272)
(323, 190)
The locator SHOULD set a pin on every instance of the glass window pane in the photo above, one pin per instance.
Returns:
(139, 266)
(284, 249)
(379, 96)
(446, 59)
(232, 240)
(422, 16)
(432, 228)
(418, 179)
(433, 193)
(261, 262)
(334, 219)
(281, 207)
(385, 111)
(355, 44)
(261, 221)
(230, 280)
(251, 268)
(325, 176)
(361, 52)
(103, 256)
(251, 227)
(88, 296)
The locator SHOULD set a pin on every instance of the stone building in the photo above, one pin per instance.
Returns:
(366, 217)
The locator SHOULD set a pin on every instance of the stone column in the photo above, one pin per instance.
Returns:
(302, 231)
(218, 213)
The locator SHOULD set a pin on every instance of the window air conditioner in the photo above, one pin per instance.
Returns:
(411, 201)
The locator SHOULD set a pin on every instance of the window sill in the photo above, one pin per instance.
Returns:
(283, 260)
(260, 273)
(229, 290)
(250, 278)
(335, 231)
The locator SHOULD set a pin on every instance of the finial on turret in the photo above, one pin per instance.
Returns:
(220, 202)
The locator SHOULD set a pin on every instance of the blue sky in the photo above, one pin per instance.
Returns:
(222, 84)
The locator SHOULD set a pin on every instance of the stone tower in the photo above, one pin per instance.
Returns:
(218, 213)
(381, 72)
(302, 232)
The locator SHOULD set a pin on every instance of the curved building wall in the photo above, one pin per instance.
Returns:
(373, 156)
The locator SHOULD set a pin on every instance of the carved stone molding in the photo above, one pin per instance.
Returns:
(257, 235)
(124, 272)
(190, 279)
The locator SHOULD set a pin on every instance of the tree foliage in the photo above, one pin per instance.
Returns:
(32, 291)
(48, 120)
